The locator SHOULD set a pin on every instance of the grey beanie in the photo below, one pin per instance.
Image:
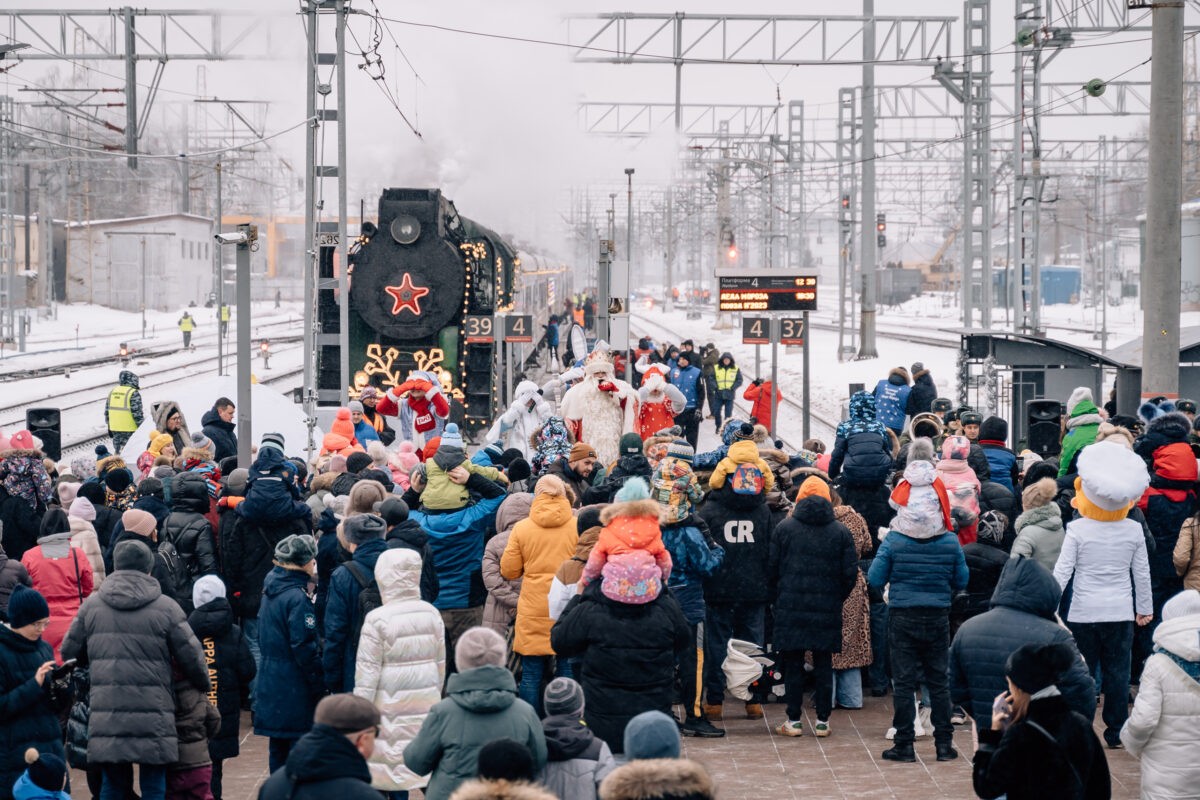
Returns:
(563, 697)
(133, 555)
(360, 528)
(479, 647)
(355, 405)
(651, 734)
(297, 550)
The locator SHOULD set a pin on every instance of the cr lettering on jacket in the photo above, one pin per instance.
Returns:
(210, 658)
(738, 531)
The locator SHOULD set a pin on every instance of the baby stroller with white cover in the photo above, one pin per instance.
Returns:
(751, 674)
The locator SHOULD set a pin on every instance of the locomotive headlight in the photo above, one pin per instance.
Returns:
(405, 229)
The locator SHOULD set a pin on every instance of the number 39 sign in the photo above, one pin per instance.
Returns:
(479, 329)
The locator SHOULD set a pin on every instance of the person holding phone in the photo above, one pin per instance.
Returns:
(1037, 746)
(26, 661)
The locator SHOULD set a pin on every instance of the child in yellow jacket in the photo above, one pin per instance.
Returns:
(741, 454)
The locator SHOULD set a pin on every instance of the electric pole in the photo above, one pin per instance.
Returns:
(866, 342)
(1164, 192)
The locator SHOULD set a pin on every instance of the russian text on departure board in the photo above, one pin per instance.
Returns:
(767, 292)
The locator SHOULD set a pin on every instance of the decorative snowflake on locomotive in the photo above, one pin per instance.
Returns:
(415, 276)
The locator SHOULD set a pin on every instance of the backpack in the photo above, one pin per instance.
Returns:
(369, 598)
(170, 559)
(747, 479)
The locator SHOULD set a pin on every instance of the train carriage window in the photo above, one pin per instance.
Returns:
(182, 248)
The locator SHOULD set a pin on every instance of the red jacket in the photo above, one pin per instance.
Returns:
(1175, 466)
(760, 396)
(54, 566)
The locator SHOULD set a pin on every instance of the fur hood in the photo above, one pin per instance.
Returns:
(761, 435)
(1047, 517)
(898, 376)
(633, 508)
(500, 790)
(1173, 425)
(323, 482)
(654, 778)
(191, 454)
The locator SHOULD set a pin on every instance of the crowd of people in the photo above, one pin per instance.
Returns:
(547, 615)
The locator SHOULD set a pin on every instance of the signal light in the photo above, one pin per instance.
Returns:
(733, 254)
(881, 222)
(845, 201)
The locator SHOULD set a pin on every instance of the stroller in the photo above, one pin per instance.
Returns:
(751, 674)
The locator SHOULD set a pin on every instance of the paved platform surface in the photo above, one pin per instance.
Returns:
(752, 762)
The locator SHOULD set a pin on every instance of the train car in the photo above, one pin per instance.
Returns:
(419, 276)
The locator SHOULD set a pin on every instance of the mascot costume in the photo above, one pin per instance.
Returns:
(659, 401)
(523, 419)
(600, 408)
(421, 406)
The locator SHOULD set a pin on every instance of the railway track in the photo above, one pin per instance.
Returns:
(644, 326)
(84, 444)
(93, 395)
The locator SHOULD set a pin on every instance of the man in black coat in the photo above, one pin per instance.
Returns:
(628, 652)
(923, 392)
(20, 522)
(814, 567)
(218, 426)
(1023, 612)
(330, 761)
(736, 595)
(133, 637)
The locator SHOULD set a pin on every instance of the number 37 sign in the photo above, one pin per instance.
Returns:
(764, 330)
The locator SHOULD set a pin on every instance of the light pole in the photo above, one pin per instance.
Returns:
(628, 255)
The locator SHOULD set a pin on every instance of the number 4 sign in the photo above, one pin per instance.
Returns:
(518, 328)
(756, 330)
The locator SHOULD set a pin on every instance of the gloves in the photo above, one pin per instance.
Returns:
(757, 382)
(606, 386)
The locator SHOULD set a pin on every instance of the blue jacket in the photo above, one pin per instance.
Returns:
(28, 719)
(687, 380)
(711, 458)
(924, 573)
(1002, 462)
(271, 491)
(290, 666)
(456, 541)
(365, 432)
(342, 618)
(891, 400)
(692, 560)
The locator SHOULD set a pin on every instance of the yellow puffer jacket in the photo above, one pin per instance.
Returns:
(536, 549)
(741, 453)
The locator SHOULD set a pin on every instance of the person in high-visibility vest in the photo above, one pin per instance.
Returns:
(123, 411)
(187, 324)
(726, 378)
(224, 316)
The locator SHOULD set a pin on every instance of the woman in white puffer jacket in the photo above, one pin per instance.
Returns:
(1164, 726)
(400, 668)
(524, 418)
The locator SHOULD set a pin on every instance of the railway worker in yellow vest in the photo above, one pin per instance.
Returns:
(224, 317)
(187, 324)
(123, 411)
(727, 378)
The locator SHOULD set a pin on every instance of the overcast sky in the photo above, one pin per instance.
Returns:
(498, 117)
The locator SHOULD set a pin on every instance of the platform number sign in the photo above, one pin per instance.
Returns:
(518, 328)
(756, 330)
(479, 329)
(791, 331)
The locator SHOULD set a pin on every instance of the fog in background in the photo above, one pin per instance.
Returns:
(498, 119)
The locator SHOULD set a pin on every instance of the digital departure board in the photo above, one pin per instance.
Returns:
(767, 292)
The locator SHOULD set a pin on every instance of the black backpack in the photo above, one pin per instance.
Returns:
(176, 569)
(369, 598)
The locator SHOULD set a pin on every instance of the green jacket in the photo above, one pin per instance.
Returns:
(1081, 431)
(481, 706)
(443, 494)
(708, 361)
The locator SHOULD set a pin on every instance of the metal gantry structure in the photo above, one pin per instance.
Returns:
(837, 159)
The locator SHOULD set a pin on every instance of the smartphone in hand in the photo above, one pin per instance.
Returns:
(63, 669)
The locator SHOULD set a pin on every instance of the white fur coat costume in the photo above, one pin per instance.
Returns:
(522, 420)
(596, 415)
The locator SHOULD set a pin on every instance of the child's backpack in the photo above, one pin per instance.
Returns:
(747, 479)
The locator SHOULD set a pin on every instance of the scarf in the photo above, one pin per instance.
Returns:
(1191, 668)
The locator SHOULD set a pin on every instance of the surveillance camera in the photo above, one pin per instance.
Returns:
(231, 238)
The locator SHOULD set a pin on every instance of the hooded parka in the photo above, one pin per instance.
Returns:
(814, 567)
(481, 706)
(1164, 725)
(230, 669)
(130, 635)
(537, 547)
(400, 666)
(26, 718)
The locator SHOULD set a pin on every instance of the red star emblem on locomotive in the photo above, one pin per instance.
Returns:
(406, 296)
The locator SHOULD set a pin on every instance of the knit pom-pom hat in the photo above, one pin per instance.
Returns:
(956, 447)
(1039, 493)
(634, 489)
